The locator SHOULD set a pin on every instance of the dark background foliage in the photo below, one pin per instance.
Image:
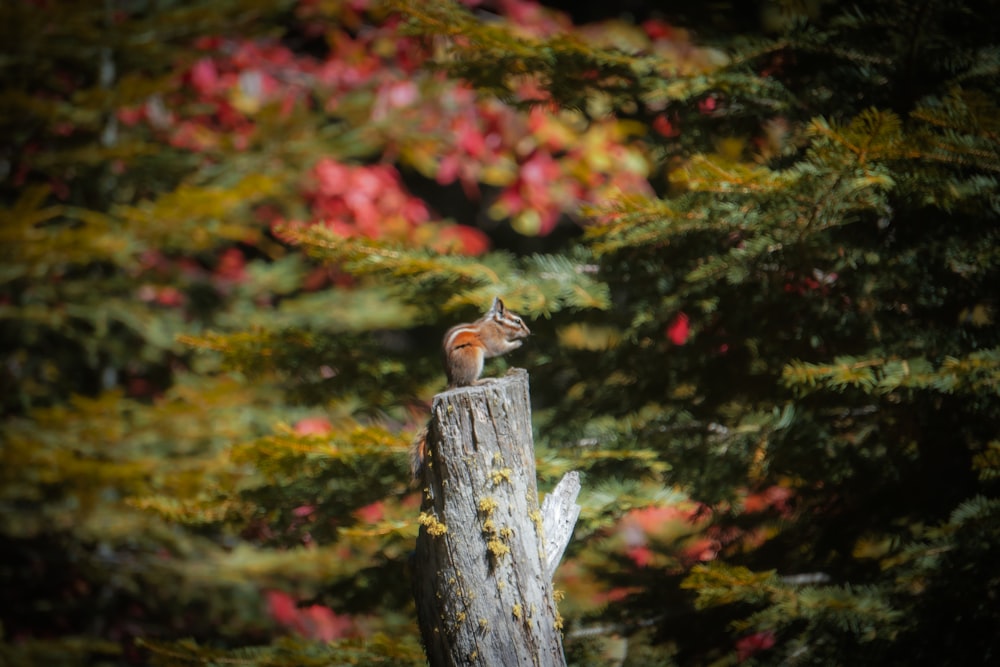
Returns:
(756, 244)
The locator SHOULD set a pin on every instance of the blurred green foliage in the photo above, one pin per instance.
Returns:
(759, 271)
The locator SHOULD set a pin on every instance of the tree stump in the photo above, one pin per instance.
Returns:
(482, 569)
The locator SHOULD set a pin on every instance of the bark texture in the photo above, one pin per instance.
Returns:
(482, 581)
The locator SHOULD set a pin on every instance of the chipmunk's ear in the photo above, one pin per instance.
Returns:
(497, 306)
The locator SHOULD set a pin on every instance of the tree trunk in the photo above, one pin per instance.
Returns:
(483, 583)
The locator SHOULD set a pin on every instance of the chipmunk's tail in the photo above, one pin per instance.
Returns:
(418, 455)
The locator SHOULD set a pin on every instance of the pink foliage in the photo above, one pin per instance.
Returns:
(539, 165)
(773, 497)
(231, 267)
(701, 550)
(394, 95)
(668, 523)
(313, 622)
(657, 29)
(313, 426)
(651, 519)
(690, 527)
(678, 330)
(372, 513)
(640, 555)
(229, 84)
(747, 647)
(664, 126)
(204, 77)
(369, 201)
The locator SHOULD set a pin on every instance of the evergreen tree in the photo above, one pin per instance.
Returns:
(802, 329)
(771, 349)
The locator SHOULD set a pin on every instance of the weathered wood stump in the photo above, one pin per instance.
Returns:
(483, 566)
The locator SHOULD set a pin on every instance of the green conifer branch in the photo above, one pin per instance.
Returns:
(32, 238)
(196, 511)
(377, 649)
(720, 584)
(841, 178)
(289, 456)
(860, 612)
(974, 373)
(199, 217)
(536, 286)
(53, 650)
(987, 461)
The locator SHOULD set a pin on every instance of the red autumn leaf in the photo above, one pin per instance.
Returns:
(231, 266)
(678, 329)
(657, 29)
(539, 171)
(394, 95)
(650, 519)
(281, 606)
(776, 497)
(169, 296)
(641, 556)
(755, 643)
(701, 550)
(371, 513)
(314, 622)
(205, 77)
(313, 426)
(464, 239)
(130, 116)
(470, 139)
(663, 125)
(321, 623)
(208, 43)
(615, 594)
(332, 177)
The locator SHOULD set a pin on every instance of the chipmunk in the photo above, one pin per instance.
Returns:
(465, 347)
